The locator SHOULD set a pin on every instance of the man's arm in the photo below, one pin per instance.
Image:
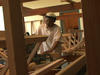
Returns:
(51, 49)
(56, 37)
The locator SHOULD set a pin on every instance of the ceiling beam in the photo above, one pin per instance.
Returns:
(27, 0)
(1, 1)
(40, 11)
(70, 1)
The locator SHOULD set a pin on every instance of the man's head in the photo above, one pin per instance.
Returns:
(49, 19)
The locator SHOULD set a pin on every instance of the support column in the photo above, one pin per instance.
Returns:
(15, 37)
(91, 15)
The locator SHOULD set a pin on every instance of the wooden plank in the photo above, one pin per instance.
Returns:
(28, 40)
(91, 13)
(73, 67)
(47, 68)
(66, 35)
(73, 13)
(33, 52)
(15, 37)
(41, 11)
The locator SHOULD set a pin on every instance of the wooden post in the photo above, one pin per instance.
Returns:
(15, 37)
(21, 4)
(32, 23)
(91, 15)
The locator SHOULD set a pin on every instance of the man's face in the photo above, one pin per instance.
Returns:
(48, 21)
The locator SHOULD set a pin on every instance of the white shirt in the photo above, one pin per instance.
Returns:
(53, 34)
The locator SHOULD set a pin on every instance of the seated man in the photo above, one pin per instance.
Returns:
(52, 31)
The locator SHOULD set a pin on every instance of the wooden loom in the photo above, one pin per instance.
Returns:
(44, 69)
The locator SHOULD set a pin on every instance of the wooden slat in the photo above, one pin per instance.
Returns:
(15, 37)
(73, 67)
(91, 16)
(75, 47)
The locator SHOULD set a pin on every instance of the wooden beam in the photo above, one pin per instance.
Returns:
(1, 1)
(15, 37)
(91, 16)
(28, 40)
(47, 68)
(29, 12)
(27, 0)
(73, 67)
(34, 51)
(73, 14)
(69, 14)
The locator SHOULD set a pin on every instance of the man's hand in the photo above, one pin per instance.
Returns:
(46, 52)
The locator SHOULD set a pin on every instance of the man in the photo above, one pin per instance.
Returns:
(52, 31)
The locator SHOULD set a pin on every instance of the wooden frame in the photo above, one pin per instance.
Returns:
(15, 44)
(91, 12)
